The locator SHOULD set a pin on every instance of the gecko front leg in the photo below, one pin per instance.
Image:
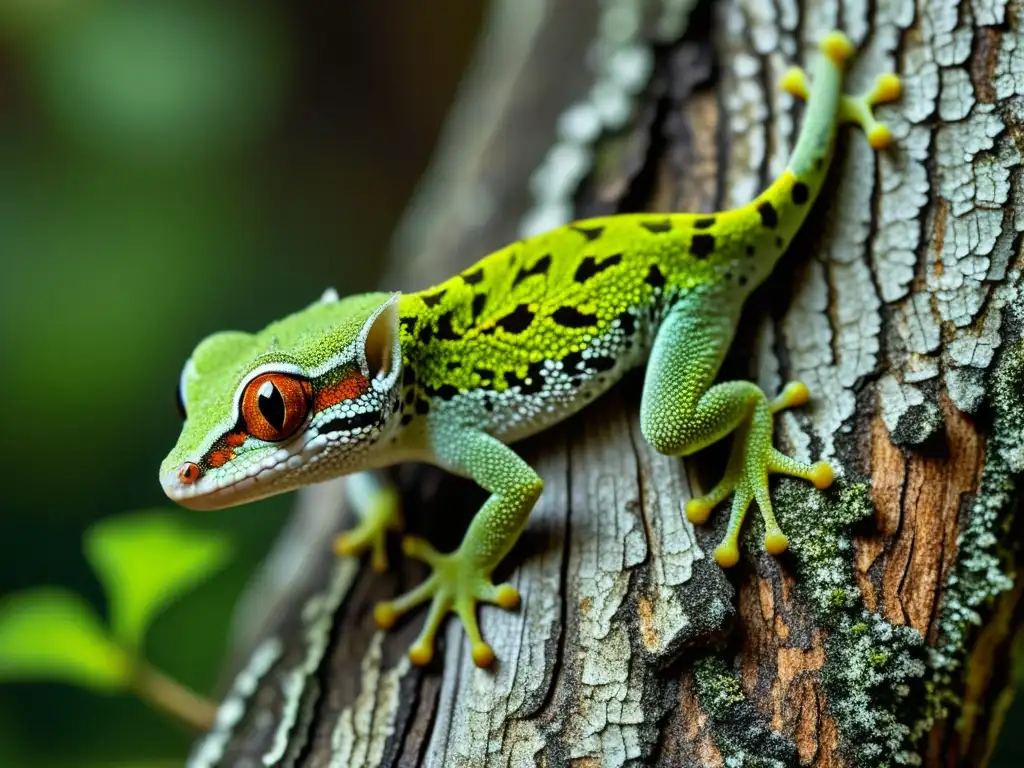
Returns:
(462, 578)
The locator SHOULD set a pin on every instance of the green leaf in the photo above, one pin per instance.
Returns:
(50, 633)
(146, 560)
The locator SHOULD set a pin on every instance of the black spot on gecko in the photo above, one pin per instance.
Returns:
(778, 241)
(488, 406)
(445, 392)
(346, 424)
(445, 330)
(478, 305)
(517, 321)
(590, 266)
(484, 373)
(769, 218)
(426, 333)
(601, 363)
(532, 384)
(452, 365)
(410, 396)
(702, 245)
(432, 300)
(540, 268)
(572, 360)
(422, 407)
(742, 280)
(408, 324)
(408, 376)
(627, 323)
(570, 317)
(406, 418)
(591, 233)
(800, 193)
(658, 227)
(751, 250)
(654, 277)
(704, 223)
(473, 276)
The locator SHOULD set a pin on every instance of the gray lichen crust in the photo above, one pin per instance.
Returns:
(740, 735)
(871, 665)
(981, 571)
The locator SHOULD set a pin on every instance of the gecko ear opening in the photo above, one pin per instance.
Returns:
(382, 349)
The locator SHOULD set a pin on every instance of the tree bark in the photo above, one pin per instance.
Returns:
(883, 636)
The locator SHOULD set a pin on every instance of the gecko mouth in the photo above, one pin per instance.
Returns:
(209, 493)
(239, 484)
(248, 478)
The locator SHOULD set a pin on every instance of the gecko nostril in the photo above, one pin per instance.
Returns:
(188, 473)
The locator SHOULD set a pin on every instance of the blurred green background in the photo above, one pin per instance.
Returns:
(168, 169)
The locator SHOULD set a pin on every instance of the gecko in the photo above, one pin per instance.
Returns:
(454, 374)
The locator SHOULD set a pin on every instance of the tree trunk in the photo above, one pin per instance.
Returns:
(883, 636)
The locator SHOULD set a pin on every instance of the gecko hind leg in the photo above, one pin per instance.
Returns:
(683, 411)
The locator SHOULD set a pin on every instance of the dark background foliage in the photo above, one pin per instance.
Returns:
(169, 169)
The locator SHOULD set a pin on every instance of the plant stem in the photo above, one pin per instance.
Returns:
(172, 697)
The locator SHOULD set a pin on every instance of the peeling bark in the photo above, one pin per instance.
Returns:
(883, 636)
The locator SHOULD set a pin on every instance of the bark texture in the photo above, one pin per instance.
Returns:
(882, 637)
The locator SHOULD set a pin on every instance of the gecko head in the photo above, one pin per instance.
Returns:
(309, 397)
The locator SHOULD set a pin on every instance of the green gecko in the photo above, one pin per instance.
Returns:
(508, 348)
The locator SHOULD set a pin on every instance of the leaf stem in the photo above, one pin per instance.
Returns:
(172, 697)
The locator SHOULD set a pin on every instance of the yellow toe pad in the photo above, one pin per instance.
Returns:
(776, 543)
(483, 655)
(698, 511)
(727, 555)
(821, 475)
(837, 47)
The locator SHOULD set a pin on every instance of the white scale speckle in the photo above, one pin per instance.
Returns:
(512, 415)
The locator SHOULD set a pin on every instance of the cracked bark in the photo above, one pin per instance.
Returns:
(891, 619)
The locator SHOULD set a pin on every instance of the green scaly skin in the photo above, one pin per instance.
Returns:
(506, 349)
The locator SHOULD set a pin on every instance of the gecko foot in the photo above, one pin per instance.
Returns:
(852, 109)
(455, 585)
(382, 513)
(858, 109)
(746, 477)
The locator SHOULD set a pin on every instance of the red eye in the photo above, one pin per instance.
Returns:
(275, 405)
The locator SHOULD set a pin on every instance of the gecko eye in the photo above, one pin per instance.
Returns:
(275, 405)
